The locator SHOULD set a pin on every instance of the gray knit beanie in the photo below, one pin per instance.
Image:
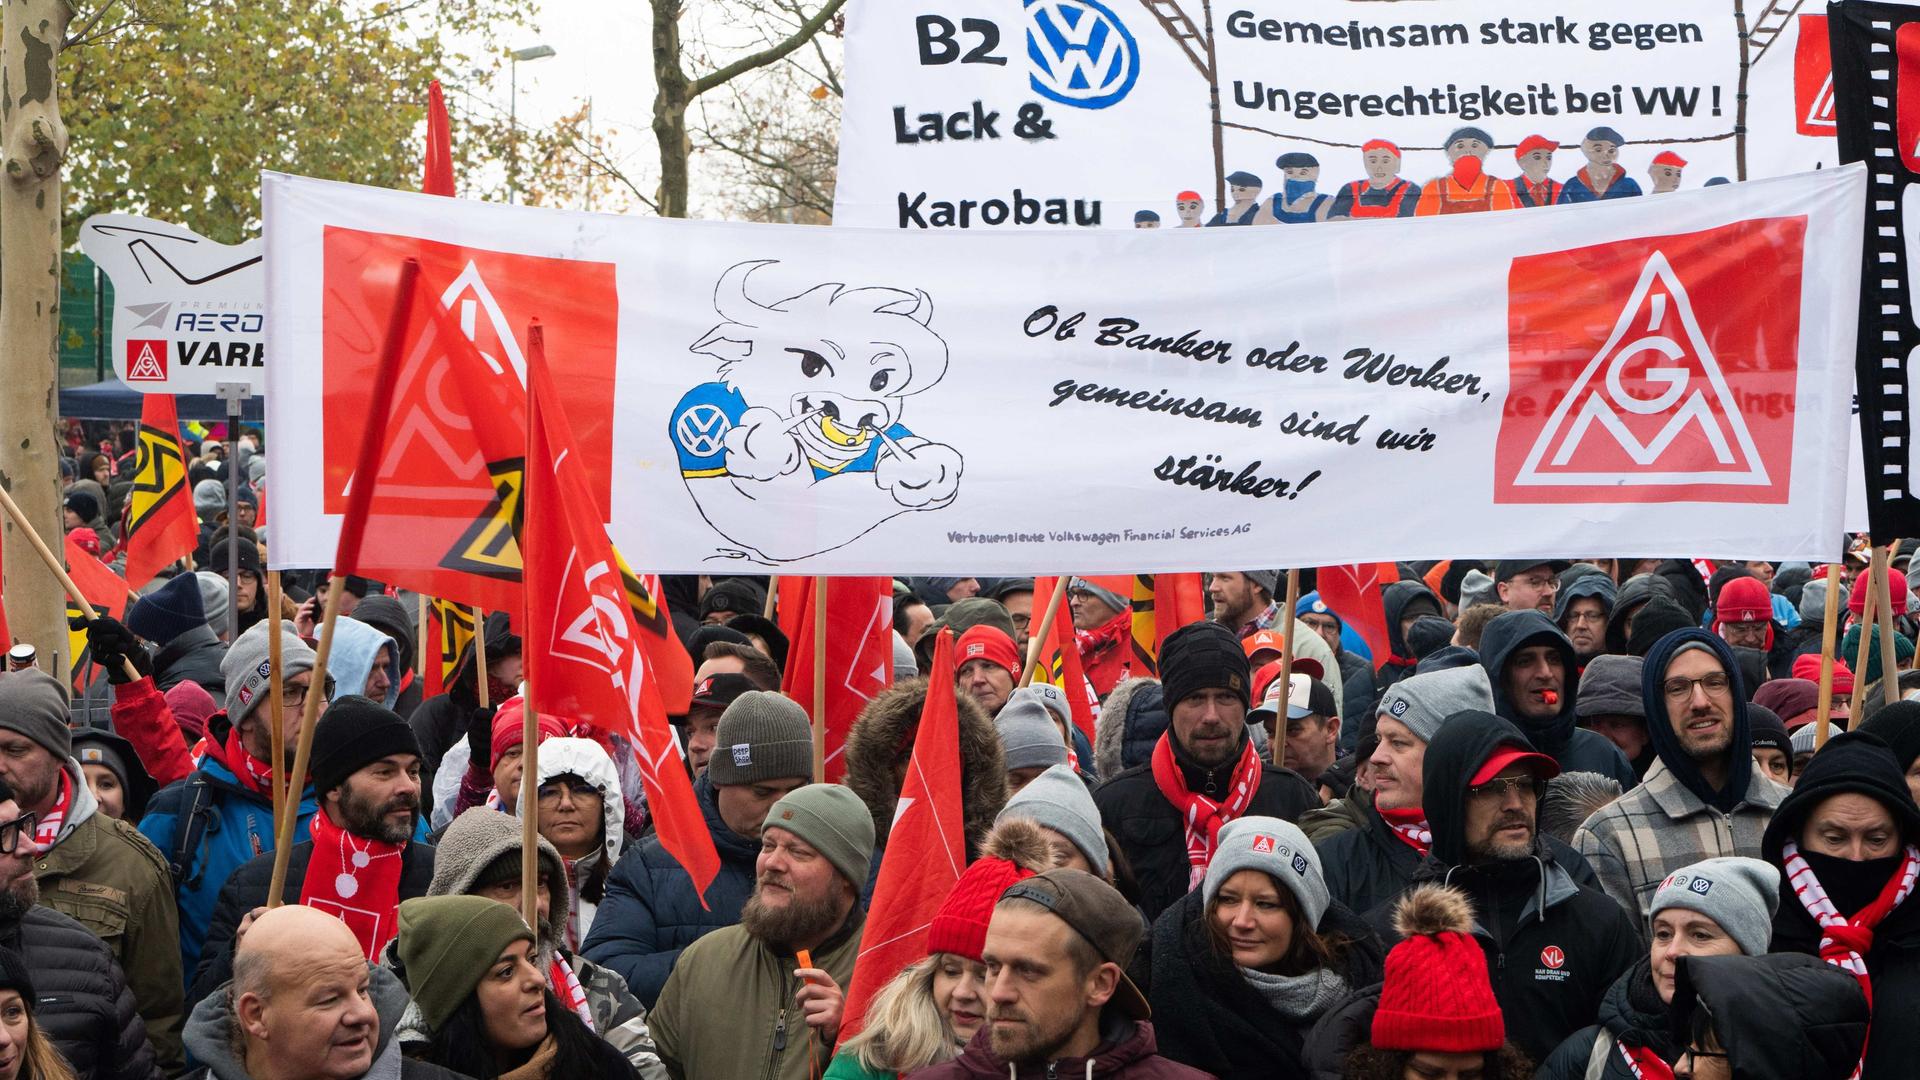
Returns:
(1423, 701)
(832, 820)
(1047, 694)
(1741, 895)
(1029, 739)
(213, 601)
(1610, 686)
(34, 704)
(762, 736)
(1266, 579)
(1276, 848)
(1059, 800)
(248, 668)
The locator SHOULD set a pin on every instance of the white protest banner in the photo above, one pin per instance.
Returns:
(188, 313)
(1652, 377)
(1007, 113)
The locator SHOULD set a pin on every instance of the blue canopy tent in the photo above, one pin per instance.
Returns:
(115, 400)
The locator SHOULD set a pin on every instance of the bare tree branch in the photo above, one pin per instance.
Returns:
(765, 56)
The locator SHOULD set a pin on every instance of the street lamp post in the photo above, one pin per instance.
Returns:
(531, 52)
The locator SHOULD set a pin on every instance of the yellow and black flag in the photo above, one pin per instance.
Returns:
(449, 629)
(160, 524)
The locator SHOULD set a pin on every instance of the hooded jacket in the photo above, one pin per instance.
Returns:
(1685, 586)
(1594, 586)
(355, 647)
(651, 912)
(1783, 1017)
(1152, 833)
(1675, 817)
(195, 654)
(887, 726)
(1553, 947)
(84, 1005)
(1859, 763)
(586, 876)
(1395, 600)
(1130, 722)
(1575, 748)
(1128, 1050)
(387, 615)
(105, 875)
(442, 720)
(212, 1041)
(1631, 1013)
(1631, 596)
(1211, 1017)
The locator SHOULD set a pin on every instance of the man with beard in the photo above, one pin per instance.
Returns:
(1243, 600)
(741, 1002)
(1059, 1002)
(1532, 667)
(361, 861)
(84, 1005)
(1703, 798)
(1553, 946)
(89, 866)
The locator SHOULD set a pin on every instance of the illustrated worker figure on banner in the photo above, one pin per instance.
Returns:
(1298, 202)
(1190, 208)
(1665, 171)
(1533, 187)
(1384, 193)
(1601, 177)
(1467, 189)
(1146, 219)
(1244, 189)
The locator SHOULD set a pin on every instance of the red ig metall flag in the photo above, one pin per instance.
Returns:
(583, 653)
(859, 662)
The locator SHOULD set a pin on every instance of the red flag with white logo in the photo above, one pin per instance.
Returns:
(1060, 664)
(926, 847)
(582, 646)
(859, 651)
(1353, 592)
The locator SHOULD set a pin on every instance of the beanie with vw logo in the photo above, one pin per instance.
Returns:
(1277, 849)
(761, 736)
(1741, 895)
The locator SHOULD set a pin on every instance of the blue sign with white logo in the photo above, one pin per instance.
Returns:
(1082, 53)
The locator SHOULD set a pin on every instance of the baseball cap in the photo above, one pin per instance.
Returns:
(718, 691)
(1269, 671)
(1543, 766)
(1097, 912)
(1508, 569)
(1307, 696)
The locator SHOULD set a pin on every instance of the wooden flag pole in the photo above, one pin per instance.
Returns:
(276, 706)
(773, 593)
(1868, 610)
(480, 655)
(819, 680)
(1829, 623)
(426, 625)
(303, 746)
(1038, 642)
(530, 812)
(53, 563)
(1278, 743)
(1883, 595)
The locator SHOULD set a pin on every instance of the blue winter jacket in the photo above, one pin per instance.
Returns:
(651, 912)
(239, 826)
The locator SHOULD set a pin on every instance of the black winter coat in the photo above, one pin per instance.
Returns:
(1631, 1013)
(194, 655)
(247, 889)
(1893, 1043)
(1574, 747)
(84, 1004)
(650, 911)
(1206, 1013)
(1152, 834)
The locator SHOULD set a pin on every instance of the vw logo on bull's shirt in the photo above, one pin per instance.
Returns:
(1082, 53)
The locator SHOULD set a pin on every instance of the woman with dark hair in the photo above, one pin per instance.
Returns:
(25, 1051)
(470, 964)
(1243, 967)
(582, 814)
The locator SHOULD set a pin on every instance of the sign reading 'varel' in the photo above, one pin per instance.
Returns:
(189, 313)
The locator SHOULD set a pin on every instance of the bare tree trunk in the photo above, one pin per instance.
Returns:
(33, 143)
(676, 91)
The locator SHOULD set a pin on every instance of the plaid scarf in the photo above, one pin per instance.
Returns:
(1204, 816)
(1410, 825)
(47, 832)
(1845, 942)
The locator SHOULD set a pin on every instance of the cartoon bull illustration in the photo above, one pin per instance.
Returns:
(799, 447)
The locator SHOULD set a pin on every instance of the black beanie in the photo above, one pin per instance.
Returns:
(1203, 656)
(1767, 730)
(1428, 635)
(353, 733)
(1656, 619)
(14, 976)
(169, 611)
(1852, 761)
(1897, 725)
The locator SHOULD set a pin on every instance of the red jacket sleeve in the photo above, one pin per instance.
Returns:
(142, 717)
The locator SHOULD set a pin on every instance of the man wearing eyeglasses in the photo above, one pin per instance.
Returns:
(1553, 946)
(1703, 798)
(89, 866)
(83, 1004)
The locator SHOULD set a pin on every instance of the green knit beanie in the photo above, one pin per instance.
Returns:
(447, 943)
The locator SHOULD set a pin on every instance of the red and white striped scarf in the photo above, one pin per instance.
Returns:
(47, 831)
(1410, 825)
(1845, 942)
(1203, 816)
(1642, 1062)
(566, 986)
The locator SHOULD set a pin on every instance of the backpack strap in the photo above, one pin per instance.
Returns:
(1597, 1059)
(191, 830)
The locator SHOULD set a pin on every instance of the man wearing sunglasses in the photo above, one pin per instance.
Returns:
(1553, 946)
(1703, 798)
(83, 1003)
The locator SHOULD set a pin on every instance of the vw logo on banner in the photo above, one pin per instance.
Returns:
(1082, 54)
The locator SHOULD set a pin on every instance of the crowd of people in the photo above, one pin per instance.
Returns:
(1565, 820)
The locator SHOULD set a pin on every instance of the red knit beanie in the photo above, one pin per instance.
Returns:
(983, 642)
(1015, 850)
(509, 726)
(1436, 995)
(1897, 585)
